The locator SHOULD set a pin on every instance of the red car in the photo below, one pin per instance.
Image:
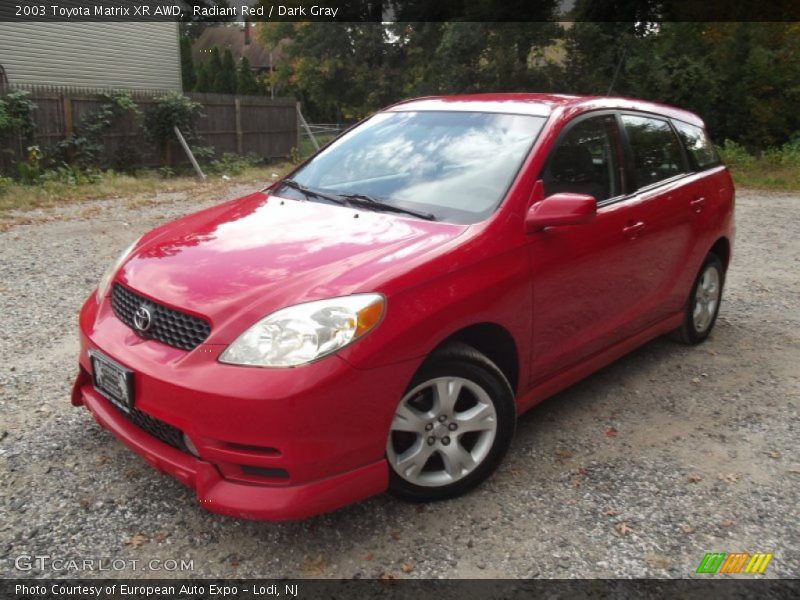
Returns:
(378, 319)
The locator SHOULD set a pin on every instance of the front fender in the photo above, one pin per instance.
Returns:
(494, 290)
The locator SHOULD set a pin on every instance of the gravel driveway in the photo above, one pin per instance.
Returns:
(638, 471)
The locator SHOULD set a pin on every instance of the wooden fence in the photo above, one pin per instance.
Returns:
(256, 125)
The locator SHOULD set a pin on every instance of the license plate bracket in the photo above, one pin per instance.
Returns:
(113, 381)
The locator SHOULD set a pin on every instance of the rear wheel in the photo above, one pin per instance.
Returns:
(702, 306)
(452, 427)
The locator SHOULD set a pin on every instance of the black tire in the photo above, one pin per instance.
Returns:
(463, 361)
(688, 333)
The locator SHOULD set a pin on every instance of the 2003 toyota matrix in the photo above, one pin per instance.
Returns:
(378, 318)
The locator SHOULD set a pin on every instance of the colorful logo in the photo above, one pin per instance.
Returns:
(720, 562)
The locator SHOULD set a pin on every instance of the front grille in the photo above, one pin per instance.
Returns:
(172, 436)
(168, 326)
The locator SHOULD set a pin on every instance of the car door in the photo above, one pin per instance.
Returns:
(585, 278)
(665, 196)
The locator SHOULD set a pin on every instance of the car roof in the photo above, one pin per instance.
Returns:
(542, 105)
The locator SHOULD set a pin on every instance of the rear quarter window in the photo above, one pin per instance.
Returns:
(656, 150)
(698, 145)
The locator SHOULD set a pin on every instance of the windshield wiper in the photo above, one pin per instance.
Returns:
(371, 202)
(309, 193)
(361, 200)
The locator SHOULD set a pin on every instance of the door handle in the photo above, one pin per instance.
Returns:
(634, 229)
(698, 203)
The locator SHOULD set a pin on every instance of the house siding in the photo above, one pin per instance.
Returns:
(97, 55)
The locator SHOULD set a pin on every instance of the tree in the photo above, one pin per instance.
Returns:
(225, 82)
(188, 74)
(205, 80)
(246, 81)
(215, 69)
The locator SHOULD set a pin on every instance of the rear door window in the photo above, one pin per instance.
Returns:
(656, 150)
(697, 144)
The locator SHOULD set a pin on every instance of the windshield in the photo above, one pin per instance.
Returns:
(456, 166)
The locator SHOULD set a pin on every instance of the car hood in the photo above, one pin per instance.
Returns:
(260, 253)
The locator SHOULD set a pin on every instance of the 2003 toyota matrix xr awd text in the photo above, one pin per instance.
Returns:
(378, 318)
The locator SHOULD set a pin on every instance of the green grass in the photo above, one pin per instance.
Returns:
(768, 177)
(774, 169)
(18, 197)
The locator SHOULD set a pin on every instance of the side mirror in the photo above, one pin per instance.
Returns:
(559, 210)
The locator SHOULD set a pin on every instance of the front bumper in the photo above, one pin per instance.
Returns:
(272, 444)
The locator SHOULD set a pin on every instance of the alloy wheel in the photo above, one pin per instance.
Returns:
(706, 298)
(442, 431)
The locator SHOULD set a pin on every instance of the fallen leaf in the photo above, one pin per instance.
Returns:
(408, 567)
(610, 512)
(729, 478)
(623, 528)
(136, 540)
(657, 561)
(315, 565)
(395, 535)
(386, 576)
(696, 380)
(687, 529)
(85, 503)
(564, 454)
(611, 432)
(369, 556)
(728, 523)
(774, 454)
(160, 536)
(694, 478)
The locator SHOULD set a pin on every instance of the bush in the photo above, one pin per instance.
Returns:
(232, 164)
(787, 155)
(16, 114)
(172, 110)
(735, 155)
(85, 149)
(5, 183)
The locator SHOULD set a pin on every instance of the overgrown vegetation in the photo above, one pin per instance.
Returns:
(141, 186)
(84, 150)
(84, 159)
(776, 168)
(172, 110)
(16, 121)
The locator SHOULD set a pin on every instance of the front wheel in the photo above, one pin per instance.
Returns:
(452, 428)
(702, 306)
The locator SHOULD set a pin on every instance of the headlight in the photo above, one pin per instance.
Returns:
(105, 280)
(303, 333)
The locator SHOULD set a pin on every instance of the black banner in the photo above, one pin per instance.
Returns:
(398, 10)
(399, 589)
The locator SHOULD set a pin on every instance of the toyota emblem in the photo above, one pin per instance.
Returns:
(142, 319)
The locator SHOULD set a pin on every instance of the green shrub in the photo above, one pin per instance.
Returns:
(172, 110)
(232, 164)
(735, 155)
(85, 149)
(16, 114)
(5, 183)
